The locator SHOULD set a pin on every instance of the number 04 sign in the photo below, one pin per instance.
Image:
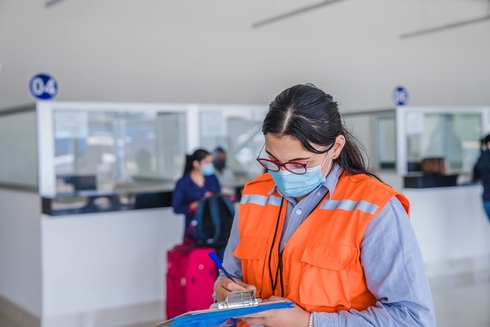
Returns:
(43, 86)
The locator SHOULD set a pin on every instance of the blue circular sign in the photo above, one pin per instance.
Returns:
(43, 86)
(400, 96)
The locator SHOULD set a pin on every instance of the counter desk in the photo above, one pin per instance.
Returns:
(451, 225)
(449, 221)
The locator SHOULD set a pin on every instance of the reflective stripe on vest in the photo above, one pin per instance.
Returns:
(349, 205)
(261, 200)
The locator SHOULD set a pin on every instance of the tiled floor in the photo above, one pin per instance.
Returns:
(459, 301)
(462, 301)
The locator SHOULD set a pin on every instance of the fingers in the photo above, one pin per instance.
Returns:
(225, 286)
(257, 319)
(282, 317)
(232, 286)
(251, 321)
(247, 287)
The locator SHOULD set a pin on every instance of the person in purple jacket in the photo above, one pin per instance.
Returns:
(197, 182)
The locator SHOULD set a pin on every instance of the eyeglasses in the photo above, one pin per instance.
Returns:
(294, 167)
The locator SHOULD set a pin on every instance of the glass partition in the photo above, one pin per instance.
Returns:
(117, 147)
(239, 132)
(453, 136)
(110, 150)
(450, 136)
(376, 133)
(386, 142)
(97, 156)
(18, 148)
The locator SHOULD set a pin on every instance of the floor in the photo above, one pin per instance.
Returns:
(4, 322)
(462, 301)
(459, 301)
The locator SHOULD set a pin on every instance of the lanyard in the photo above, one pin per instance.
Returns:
(279, 265)
(279, 271)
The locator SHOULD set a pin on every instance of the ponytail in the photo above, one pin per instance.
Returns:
(351, 159)
(198, 155)
(188, 164)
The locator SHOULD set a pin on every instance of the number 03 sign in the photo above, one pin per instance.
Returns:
(43, 86)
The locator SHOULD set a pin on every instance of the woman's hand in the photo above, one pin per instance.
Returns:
(193, 207)
(294, 317)
(226, 285)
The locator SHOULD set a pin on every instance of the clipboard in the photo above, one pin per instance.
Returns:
(223, 314)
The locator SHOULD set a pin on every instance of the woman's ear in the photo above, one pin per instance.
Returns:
(338, 146)
(195, 164)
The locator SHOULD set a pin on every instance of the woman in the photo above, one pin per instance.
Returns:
(320, 231)
(198, 181)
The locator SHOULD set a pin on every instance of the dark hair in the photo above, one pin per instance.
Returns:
(312, 116)
(219, 149)
(485, 140)
(198, 155)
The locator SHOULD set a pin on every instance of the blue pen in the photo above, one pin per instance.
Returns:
(219, 264)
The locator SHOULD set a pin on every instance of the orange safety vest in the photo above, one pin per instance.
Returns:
(321, 262)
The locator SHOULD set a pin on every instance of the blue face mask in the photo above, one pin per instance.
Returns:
(207, 169)
(294, 185)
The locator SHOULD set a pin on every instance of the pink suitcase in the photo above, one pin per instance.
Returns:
(190, 279)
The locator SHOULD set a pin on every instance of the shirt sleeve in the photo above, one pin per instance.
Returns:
(395, 274)
(179, 203)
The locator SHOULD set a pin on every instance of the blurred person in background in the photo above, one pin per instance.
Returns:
(481, 171)
(225, 175)
(197, 182)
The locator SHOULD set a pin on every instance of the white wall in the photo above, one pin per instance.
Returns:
(97, 262)
(207, 51)
(20, 250)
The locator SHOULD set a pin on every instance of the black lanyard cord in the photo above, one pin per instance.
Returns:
(279, 270)
(274, 283)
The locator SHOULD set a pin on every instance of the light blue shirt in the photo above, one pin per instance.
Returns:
(390, 256)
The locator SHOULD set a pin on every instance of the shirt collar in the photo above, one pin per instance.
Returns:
(330, 182)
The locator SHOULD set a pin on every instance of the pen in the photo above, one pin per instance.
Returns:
(219, 264)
